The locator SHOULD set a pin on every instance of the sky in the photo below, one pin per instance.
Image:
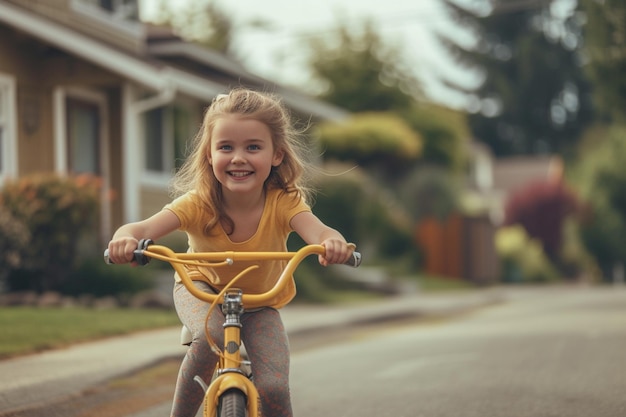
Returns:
(407, 24)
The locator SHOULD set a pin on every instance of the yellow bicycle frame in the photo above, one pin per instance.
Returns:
(230, 375)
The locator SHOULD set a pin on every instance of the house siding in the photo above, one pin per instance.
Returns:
(34, 116)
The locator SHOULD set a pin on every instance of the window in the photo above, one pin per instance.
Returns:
(166, 130)
(80, 131)
(8, 141)
(83, 136)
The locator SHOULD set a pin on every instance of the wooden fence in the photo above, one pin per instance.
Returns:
(459, 247)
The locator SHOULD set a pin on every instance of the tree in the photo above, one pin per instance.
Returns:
(605, 54)
(534, 97)
(600, 179)
(445, 133)
(360, 73)
(202, 22)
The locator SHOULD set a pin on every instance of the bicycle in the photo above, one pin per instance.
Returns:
(232, 391)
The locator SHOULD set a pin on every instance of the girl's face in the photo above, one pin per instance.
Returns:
(242, 154)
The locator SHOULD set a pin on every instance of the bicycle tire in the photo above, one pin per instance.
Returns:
(233, 403)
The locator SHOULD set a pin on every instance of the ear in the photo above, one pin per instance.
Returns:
(278, 158)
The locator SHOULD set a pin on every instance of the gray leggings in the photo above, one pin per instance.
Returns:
(266, 343)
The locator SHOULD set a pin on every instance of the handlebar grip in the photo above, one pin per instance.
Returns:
(107, 260)
(138, 255)
(355, 259)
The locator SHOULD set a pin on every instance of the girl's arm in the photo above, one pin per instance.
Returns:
(311, 229)
(126, 238)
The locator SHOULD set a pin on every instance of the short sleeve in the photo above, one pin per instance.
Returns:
(289, 205)
(188, 209)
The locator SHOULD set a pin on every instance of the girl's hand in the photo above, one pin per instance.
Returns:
(121, 249)
(337, 251)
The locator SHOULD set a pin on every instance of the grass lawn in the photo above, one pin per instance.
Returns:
(25, 330)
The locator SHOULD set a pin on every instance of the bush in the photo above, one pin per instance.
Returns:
(430, 191)
(371, 139)
(14, 239)
(542, 208)
(365, 214)
(599, 177)
(95, 278)
(523, 259)
(56, 211)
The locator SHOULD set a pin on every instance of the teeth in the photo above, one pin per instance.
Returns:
(240, 174)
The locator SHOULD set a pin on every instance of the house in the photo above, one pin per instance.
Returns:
(85, 87)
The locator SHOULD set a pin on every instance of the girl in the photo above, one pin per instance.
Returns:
(241, 189)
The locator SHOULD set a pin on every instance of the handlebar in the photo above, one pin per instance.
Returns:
(148, 250)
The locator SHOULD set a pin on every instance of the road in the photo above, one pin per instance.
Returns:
(546, 353)
(543, 352)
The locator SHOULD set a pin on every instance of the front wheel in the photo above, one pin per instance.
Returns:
(232, 404)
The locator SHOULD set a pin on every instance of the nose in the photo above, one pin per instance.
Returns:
(238, 158)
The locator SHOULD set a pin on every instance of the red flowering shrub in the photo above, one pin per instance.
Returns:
(541, 208)
(56, 211)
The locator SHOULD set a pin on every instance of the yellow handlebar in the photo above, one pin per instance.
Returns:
(178, 260)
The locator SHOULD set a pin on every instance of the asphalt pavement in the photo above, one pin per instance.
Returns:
(55, 374)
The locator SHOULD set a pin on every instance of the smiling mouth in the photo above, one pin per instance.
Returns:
(240, 174)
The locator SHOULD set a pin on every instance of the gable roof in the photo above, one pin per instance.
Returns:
(147, 65)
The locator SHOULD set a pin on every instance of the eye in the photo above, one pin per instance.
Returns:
(254, 147)
(225, 148)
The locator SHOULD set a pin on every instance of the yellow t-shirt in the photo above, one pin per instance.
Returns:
(271, 236)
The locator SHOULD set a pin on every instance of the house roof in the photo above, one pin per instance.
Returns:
(511, 174)
(149, 67)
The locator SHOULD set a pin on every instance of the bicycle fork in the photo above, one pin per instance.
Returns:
(231, 373)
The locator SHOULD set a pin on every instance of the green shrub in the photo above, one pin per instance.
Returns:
(600, 179)
(95, 278)
(430, 191)
(366, 215)
(523, 259)
(57, 211)
(371, 138)
(14, 239)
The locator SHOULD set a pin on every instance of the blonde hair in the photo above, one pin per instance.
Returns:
(197, 175)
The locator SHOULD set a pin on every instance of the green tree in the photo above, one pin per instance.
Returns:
(600, 179)
(444, 132)
(534, 97)
(605, 52)
(363, 74)
(202, 22)
(360, 72)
